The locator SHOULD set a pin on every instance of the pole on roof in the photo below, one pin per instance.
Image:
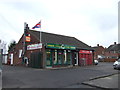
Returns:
(40, 33)
(24, 39)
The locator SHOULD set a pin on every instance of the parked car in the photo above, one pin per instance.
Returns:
(116, 64)
(96, 62)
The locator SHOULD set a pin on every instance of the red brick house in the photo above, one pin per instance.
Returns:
(112, 53)
(99, 52)
(53, 51)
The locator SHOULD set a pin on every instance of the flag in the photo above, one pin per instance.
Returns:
(38, 25)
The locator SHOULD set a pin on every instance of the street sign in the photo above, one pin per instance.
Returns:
(34, 46)
(60, 46)
(85, 51)
(27, 39)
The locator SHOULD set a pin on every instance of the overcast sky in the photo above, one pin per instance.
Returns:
(91, 21)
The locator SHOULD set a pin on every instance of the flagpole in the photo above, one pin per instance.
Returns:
(40, 34)
(38, 25)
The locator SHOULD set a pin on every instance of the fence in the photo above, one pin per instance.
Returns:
(108, 60)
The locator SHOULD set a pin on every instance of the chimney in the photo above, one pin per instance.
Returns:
(114, 43)
(98, 45)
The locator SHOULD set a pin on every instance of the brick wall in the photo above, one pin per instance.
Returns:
(109, 60)
(19, 46)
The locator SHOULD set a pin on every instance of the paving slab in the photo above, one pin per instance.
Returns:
(105, 82)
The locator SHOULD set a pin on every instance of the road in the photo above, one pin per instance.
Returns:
(0, 79)
(24, 77)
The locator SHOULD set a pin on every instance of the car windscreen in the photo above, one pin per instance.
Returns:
(118, 60)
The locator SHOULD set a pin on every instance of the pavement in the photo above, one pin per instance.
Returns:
(110, 81)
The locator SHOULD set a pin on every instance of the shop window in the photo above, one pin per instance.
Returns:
(68, 57)
(75, 57)
(48, 53)
(65, 58)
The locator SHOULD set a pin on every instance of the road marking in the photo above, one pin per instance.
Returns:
(107, 78)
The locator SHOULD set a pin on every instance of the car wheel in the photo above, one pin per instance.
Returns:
(114, 66)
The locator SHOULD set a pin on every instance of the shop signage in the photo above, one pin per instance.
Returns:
(27, 39)
(34, 46)
(60, 46)
(85, 51)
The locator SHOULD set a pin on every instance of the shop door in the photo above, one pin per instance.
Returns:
(82, 59)
(69, 57)
(75, 58)
(90, 59)
(49, 58)
(35, 60)
(87, 59)
(60, 57)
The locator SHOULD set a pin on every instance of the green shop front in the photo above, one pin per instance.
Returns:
(59, 55)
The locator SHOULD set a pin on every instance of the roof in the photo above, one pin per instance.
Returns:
(96, 47)
(59, 39)
(115, 47)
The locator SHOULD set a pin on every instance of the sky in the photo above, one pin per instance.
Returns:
(91, 21)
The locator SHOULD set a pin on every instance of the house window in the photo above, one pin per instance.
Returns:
(102, 52)
(114, 57)
(114, 51)
(20, 53)
(118, 51)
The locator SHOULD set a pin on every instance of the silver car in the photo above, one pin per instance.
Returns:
(116, 64)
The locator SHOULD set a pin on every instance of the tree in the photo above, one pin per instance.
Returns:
(11, 45)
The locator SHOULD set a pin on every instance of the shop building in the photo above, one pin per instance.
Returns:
(53, 51)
